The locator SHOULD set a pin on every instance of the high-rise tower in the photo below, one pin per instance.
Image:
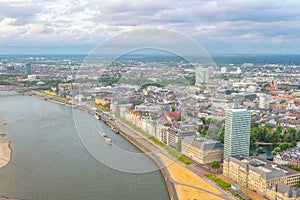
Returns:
(27, 69)
(202, 75)
(237, 132)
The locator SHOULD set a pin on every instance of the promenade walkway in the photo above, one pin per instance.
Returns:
(188, 184)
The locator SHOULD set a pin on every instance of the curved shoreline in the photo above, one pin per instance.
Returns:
(5, 153)
(157, 160)
(175, 189)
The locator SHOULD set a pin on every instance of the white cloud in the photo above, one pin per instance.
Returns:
(83, 22)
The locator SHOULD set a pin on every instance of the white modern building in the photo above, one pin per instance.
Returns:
(223, 70)
(237, 132)
(264, 102)
(202, 75)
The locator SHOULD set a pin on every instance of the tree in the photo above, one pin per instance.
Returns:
(260, 150)
(298, 184)
(285, 137)
(279, 129)
(276, 150)
(203, 119)
(282, 101)
(292, 134)
(181, 118)
(215, 164)
(276, 137)
(269, 126)
(178, 145)
(221, 139)
(281, 147)
(208, 121)
(284, 146)
(191, 79)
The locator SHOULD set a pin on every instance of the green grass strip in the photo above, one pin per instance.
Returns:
(224, 185)
(171, 151)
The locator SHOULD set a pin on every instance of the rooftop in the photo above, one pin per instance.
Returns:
(236, 110)
(265, 168)
(287, 190)
(203, 143)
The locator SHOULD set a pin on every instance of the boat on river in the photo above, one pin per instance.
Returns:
(115, 130)
(106, 138)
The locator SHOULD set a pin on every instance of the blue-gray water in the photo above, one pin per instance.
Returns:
(268, 151)
(50, 162)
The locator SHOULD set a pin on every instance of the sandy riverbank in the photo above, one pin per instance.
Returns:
(5, 153)
(2, 134)
(189, 185)
(3, 124)
(47, 97)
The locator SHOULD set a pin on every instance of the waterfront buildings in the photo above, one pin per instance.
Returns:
(258, 174)
(202, 150)
(237, 132)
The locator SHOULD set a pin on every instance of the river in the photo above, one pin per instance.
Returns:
(50, 160)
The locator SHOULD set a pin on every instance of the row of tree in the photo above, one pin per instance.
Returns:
(215, 129)
(282, 147)
(268, 134)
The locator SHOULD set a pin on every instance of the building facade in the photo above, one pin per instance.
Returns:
(290, 156)
(202, 150)
(237, 132)
(258, 174)
(28, 69)
(202, 75)
(282, 191)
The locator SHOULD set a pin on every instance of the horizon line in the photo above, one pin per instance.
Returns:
(164, 54)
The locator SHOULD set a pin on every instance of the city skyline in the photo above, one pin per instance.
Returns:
(149, 99)
(161, 104)
(41, 27)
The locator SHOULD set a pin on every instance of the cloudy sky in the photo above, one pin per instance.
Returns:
(77, 26)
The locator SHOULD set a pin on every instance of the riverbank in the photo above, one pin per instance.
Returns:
(3, 124)
(189, 185)
(2, 135)
(5, 153)
(182, 183)
(47, 97)
(178, 188)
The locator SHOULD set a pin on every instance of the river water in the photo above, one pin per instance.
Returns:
(50, 161)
